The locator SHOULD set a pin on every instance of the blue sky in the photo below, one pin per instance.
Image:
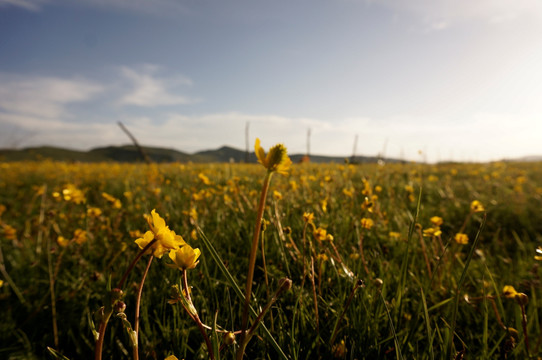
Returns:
(457, 79)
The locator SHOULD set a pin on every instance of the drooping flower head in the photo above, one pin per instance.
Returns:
(185, 257)
(509, 291)
(166, 239)
(276, 160)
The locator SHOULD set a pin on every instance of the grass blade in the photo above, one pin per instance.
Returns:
(216, 257)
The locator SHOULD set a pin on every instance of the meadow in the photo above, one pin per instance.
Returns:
(393, 261)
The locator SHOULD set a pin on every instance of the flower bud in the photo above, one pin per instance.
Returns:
(120, 306)
(285, 284)
(522, 299)
(229, 338)
(116, 294)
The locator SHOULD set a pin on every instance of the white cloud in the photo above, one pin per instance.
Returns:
(480, 137)
(149, 90)
(438, 14)
(45, 97)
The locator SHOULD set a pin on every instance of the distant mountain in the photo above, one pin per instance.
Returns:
(129, 153)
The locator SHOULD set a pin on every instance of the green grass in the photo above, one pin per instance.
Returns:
(408, 307)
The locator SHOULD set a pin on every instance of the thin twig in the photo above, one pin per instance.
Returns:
(136, 144)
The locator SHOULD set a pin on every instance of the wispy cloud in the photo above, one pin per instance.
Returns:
(150, 90)
(158, 7)
(31, 5)
(439, 14)
(44, 97)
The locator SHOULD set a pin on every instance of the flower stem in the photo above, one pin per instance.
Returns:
(132, 264)
(101, 334)
(105, 319)
(196, 318)
(138, 302)
(252, 263)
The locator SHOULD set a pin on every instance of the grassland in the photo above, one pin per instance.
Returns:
(394, 280)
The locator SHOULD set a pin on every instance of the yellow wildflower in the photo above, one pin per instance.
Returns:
(367, 205)
(277, 195)
(308, 217)
(461, 238)
(62, 241)
(185, 257)
(323, 204)
(367, 223)
(538, 255)
(322, 257)
(204, 179)
(394, 235)
(320, 234)
(9, 232)
(80, 236)
(509, 291)
(113, 200)
(71, 193)
(194, 234)
(432, 231)
(476, 206)
(349, 192)
(276, 160)
(94, 212)
(166, 239)
(436, 220)
(1, 283)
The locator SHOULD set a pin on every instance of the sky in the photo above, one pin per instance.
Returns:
(432, 80)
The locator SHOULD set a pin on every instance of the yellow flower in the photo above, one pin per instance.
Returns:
(71, 193)
(538, 255)
(166, 239)
(62, 241)
(436, 220)
(171, 357)
(113, 200)
(432, 231)
(461, 238)
(185, 257)
(94, 212)
(509, 291)
(323, 204)
(308, 217)
(367, 205)
(276, 160)
(9, 232)
(204, 179)
(367, 223)
(476, 206)
(394, 235)
(322, 257)
(320, 234)
(80, 236)
(194, 234)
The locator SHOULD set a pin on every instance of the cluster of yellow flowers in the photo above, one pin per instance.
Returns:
(160, 240)
(71, 193)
